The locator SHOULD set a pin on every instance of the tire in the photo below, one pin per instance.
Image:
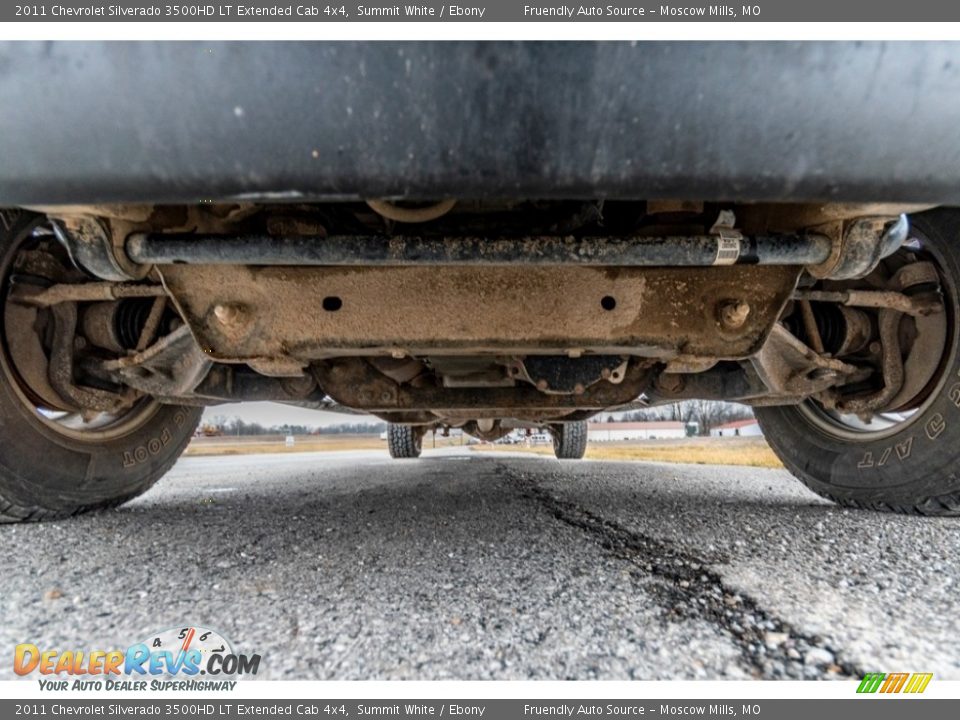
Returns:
(912, 468)
(404, 441)
(570, 440)
(47, 472)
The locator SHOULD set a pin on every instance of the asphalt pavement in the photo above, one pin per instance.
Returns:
(471, 565)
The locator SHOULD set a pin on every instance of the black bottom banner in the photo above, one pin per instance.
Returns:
(874, 708)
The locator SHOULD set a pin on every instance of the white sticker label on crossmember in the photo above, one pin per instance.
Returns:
(728, 248)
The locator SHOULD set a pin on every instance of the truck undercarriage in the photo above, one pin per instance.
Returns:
(475, 314)
(483, 236)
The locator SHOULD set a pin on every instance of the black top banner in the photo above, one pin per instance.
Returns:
(225, 707)
(483, 11)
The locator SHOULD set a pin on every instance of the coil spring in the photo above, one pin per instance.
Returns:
(130, 319)
(831, 325)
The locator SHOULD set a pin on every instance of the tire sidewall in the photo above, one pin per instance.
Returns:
(46, 470)
(903, 468)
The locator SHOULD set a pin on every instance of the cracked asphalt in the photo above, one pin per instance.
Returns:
(494, 566)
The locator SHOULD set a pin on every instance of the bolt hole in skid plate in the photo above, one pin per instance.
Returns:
(332, 303)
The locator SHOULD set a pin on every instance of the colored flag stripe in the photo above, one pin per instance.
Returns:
(925, 679)
(870, 682)
(894, 682)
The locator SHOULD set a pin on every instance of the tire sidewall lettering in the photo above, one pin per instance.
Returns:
(152, 447)
(954, 395)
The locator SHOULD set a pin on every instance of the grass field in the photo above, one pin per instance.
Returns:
(704, 451)
(701, 451)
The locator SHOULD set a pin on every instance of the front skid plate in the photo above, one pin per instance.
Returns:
(241, 313)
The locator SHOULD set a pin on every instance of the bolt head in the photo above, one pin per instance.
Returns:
(229, 314)
(734, 314)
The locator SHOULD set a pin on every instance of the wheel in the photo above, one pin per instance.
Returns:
(570, 440)
(54, 460)
(404, 441)
(904, 460)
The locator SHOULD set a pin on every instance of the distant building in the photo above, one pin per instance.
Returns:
(737, 428)
(612, 431)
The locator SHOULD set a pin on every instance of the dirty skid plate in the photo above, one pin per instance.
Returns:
(280, 314)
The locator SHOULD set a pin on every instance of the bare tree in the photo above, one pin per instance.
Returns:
(702, 414)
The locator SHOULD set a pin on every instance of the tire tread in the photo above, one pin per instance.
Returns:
(402, 441)
(570, 440)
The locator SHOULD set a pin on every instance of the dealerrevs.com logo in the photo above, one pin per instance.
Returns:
(185, 658)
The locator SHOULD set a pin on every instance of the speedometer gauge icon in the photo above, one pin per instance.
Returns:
(179, 641)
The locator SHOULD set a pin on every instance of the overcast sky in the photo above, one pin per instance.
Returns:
(269, 414)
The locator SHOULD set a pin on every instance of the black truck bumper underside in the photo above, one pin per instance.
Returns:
(189, 122)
